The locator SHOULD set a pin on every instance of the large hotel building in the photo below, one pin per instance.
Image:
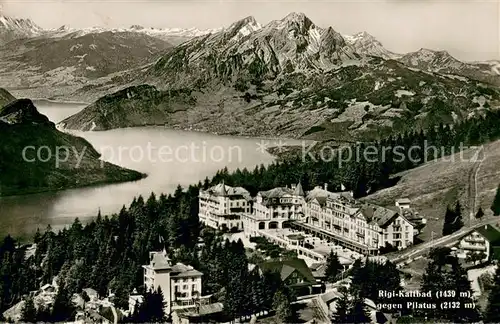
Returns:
(222, 206)
(333, 216)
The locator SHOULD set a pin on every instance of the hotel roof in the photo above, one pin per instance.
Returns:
(224, 190)
(283, 191)
(287, 267)
(380, 215)
(321, 195)
(490, 233)
(180, 270)
(160, 261)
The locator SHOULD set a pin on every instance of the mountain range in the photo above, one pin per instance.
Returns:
(289, 77)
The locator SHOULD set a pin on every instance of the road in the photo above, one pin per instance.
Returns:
(425, 247)
(479, 157)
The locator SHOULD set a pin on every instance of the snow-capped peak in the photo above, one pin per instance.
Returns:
(296, 16)
(365, 43)
(19, 24)
(358, 37)
(242, 28)
(174, 32)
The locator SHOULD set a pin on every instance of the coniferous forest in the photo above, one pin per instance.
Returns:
(107, 253)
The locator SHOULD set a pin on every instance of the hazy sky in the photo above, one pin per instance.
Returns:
(469, 30)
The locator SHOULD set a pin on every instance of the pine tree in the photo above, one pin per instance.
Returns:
(479, 213)
(28, 312)
(333, 267)
(462, 286)
(151, 309)
(374, 276)
(492, 314)
(358, 313)
(457, 222)
(495, 207)
(449, 219)
(342, 305)
(444, 273)
(63, 309)
(281, 304)
(156, 310)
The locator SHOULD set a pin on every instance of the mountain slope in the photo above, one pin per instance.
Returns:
(5, 97)
(16, 28)
(74, 58)
(441, 183)
(287, 78)
(442, 62)
(366, 44)
(24, 131)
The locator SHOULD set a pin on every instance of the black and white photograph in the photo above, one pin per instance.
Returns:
(249, 161)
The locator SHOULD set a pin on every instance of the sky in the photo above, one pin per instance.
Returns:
(467, 29)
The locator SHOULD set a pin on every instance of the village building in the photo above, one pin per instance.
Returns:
(134, 301)
(209, 313)
(179, 283)
(295, 274)
(221, 206)
(481, 244)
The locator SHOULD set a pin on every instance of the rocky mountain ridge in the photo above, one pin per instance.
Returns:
(15, 28)
(287, 78)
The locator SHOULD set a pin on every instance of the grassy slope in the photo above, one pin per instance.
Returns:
(5, 97)
(436, 184)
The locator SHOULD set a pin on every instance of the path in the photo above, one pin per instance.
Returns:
(424, 247)
(472, 192)
(474, 274)
(115, 315)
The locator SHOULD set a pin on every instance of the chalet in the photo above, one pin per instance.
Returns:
(295, 274)
(481, 244)
(209, 313)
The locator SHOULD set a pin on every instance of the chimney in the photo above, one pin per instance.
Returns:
(326, 186)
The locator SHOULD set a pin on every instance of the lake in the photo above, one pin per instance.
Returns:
(169, 157)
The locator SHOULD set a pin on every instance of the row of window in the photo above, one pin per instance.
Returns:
(177, 288)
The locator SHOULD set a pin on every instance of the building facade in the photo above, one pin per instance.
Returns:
(481, 245)
(221, 206)
(179, 283)
(362, 227)
(333, 216)
(272, 209)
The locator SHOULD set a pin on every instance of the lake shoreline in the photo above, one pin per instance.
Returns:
(20, 194)
(23, 212)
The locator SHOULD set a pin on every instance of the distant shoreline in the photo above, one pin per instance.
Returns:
(59, 101)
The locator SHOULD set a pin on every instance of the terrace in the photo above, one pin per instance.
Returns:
(308, 247)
